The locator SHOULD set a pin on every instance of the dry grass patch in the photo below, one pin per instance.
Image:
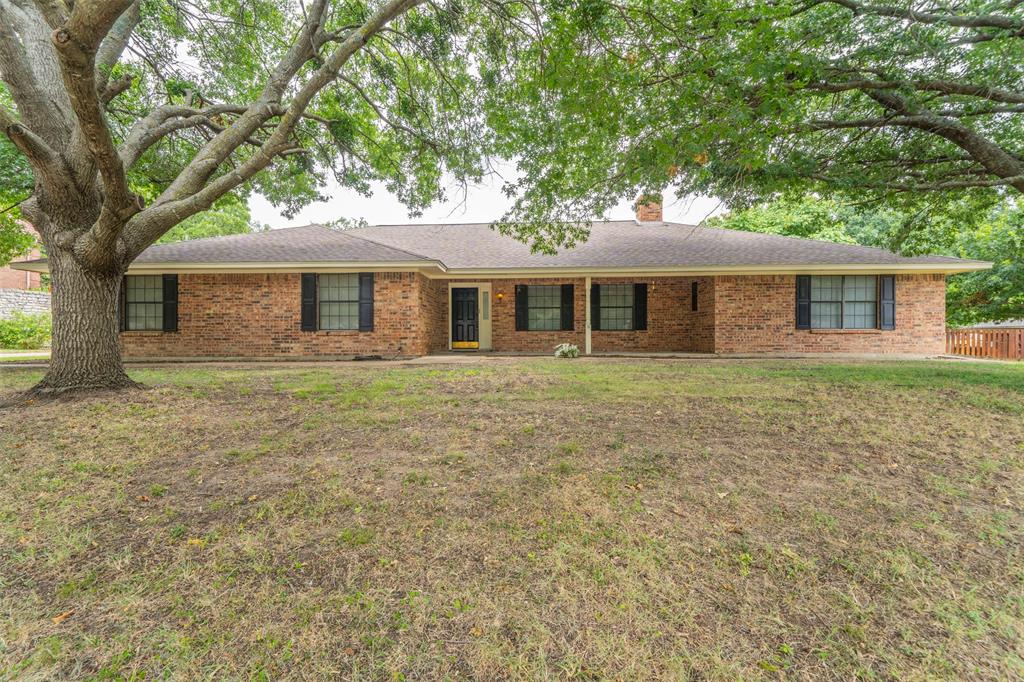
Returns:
(519, 520)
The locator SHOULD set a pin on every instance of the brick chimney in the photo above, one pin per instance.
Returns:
(648, 208)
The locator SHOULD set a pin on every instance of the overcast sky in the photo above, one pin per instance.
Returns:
(482, 204)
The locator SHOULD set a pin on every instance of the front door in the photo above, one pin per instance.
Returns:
(465, 323)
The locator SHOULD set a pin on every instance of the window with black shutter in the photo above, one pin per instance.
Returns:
(844, 302)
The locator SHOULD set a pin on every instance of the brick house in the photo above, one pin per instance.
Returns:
(643, 285)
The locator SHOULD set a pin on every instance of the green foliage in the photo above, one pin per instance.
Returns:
(996, 294)
(731, 100)
(228, 216)
(567, 350)
(997, 236)
(24, 331)
(15, 185)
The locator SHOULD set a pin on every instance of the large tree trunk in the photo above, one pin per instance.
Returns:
(86, 350)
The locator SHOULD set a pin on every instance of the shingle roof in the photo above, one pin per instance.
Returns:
(475, 246)
(624, 244)
(310, 243)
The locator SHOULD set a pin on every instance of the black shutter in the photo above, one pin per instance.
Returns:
(366, 301)
(640, 306)
(803, 301)
(170, 303)
(595, 306)
(887, 301)
(122, 305)
(309, 321)
(693, 296)
(522, 310)
(568, 309)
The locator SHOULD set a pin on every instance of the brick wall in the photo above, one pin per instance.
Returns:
(757, 314)
(258, 315)
(504, 336)
(433, 310)
(671, 323)
(18, 279)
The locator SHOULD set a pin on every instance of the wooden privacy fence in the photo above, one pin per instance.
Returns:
(1000, 344)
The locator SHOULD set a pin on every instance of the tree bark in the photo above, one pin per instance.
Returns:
(86, 353)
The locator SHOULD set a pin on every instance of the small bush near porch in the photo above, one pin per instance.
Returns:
(520, 519)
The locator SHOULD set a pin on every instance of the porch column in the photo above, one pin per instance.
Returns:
(586, 344)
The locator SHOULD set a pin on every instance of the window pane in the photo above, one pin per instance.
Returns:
(616, 318)
(827, 288)
(339, 315)
(339, 287)
(859, 315)
(339, 301)
(544, 319)
(859, 288)
(544, 307)
(616, 306)
(144, 295)
(544, 296)
(825, 315)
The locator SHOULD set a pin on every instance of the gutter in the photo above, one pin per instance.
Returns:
(435, 269)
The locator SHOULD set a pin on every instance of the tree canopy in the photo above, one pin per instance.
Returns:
(916, 106)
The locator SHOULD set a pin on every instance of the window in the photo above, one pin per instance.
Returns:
(338, 296)
(844, 302)
(616, 306)
(544, 307)
(144, 302)
(693, 296)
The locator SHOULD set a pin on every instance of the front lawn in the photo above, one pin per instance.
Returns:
(519, 519)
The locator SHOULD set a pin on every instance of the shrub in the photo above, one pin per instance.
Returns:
(24, 331)
(567, 350)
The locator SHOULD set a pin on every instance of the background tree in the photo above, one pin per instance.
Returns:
(15, 187)
(229, 215)
(135, 115)
(997, 236)
(913, 105)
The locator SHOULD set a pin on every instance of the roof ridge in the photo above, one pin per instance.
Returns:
(388, 246)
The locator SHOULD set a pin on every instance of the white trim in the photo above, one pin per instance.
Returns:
(437, 270)
(680, 271)
(486, 339)
(586, 316)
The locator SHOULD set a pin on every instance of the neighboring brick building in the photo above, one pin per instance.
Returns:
(21, 279)
(644, 286)
(16, 288)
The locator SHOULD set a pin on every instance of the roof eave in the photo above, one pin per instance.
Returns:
(782, 269)
(436, 268)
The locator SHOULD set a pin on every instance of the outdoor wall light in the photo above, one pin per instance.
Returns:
(498, 296)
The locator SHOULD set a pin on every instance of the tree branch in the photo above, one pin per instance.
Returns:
(112, 46)
(958, 20)
(988, 154)
(76, 43)
(943, 86)
(145, 228)
(202, 167)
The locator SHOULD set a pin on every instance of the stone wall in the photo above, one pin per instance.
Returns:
(32, 302)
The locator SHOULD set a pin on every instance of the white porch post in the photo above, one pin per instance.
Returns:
(586, 345)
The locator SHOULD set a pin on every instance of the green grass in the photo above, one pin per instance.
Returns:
(519, 519)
